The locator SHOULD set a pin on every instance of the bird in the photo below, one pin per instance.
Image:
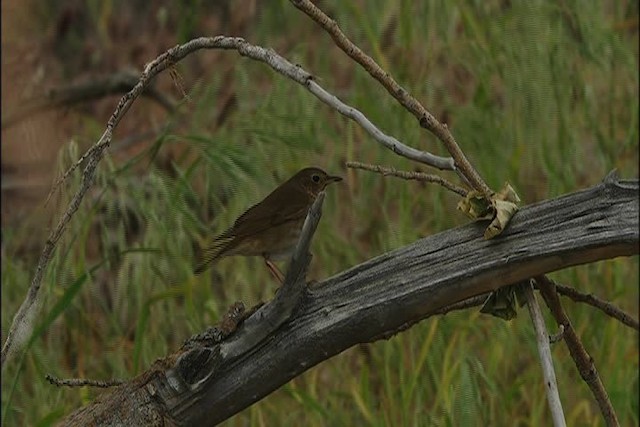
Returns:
(270, 228)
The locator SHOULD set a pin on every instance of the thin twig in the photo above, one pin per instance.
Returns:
(544, 350)
(583, 361)
(178, 81)
(426, 119)
(608, 308)
(557, 337)
(418, 176)
(81, 382)
(475, 301)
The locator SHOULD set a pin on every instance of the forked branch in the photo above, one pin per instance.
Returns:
(583, 361)
(411, 104)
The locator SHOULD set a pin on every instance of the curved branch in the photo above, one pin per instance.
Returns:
(23, 321)
(442, 163)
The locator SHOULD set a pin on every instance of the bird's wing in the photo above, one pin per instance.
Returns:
(274, 210)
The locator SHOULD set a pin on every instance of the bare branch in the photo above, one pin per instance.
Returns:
(418, 176)
(426, 119)
(557, 337)
(475, 301)
(442, 163)
(608, 308)
(544, 349)
(583, 361)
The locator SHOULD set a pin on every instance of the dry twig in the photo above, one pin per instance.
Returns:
(583, 361)
(607, 307)
(418, 176)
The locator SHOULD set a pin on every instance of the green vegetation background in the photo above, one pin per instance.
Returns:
(541, 94)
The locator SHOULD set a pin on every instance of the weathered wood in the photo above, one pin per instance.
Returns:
(376, 299)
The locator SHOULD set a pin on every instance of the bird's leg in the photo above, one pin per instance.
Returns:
(275, 271)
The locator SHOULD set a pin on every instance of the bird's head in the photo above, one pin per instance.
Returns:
(314, 180)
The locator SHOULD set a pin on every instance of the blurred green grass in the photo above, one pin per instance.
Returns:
(542, 94)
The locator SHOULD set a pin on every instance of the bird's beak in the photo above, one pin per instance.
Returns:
(331, 179)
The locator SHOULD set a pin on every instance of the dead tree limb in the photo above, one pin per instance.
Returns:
(583, 361)
(387, 294)
(544, 350)
(605, 306)
(115, 84)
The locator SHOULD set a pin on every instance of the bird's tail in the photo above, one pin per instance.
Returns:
(206, 256)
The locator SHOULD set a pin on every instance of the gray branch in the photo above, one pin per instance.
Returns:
(442, 163)
(377, 299)
(544, 350)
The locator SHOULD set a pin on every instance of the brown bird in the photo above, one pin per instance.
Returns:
(272, 227)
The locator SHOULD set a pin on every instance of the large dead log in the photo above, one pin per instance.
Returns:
(206, 384)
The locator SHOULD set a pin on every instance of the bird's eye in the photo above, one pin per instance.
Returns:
(315, 178)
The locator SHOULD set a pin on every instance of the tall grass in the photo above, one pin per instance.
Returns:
(541, 94)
